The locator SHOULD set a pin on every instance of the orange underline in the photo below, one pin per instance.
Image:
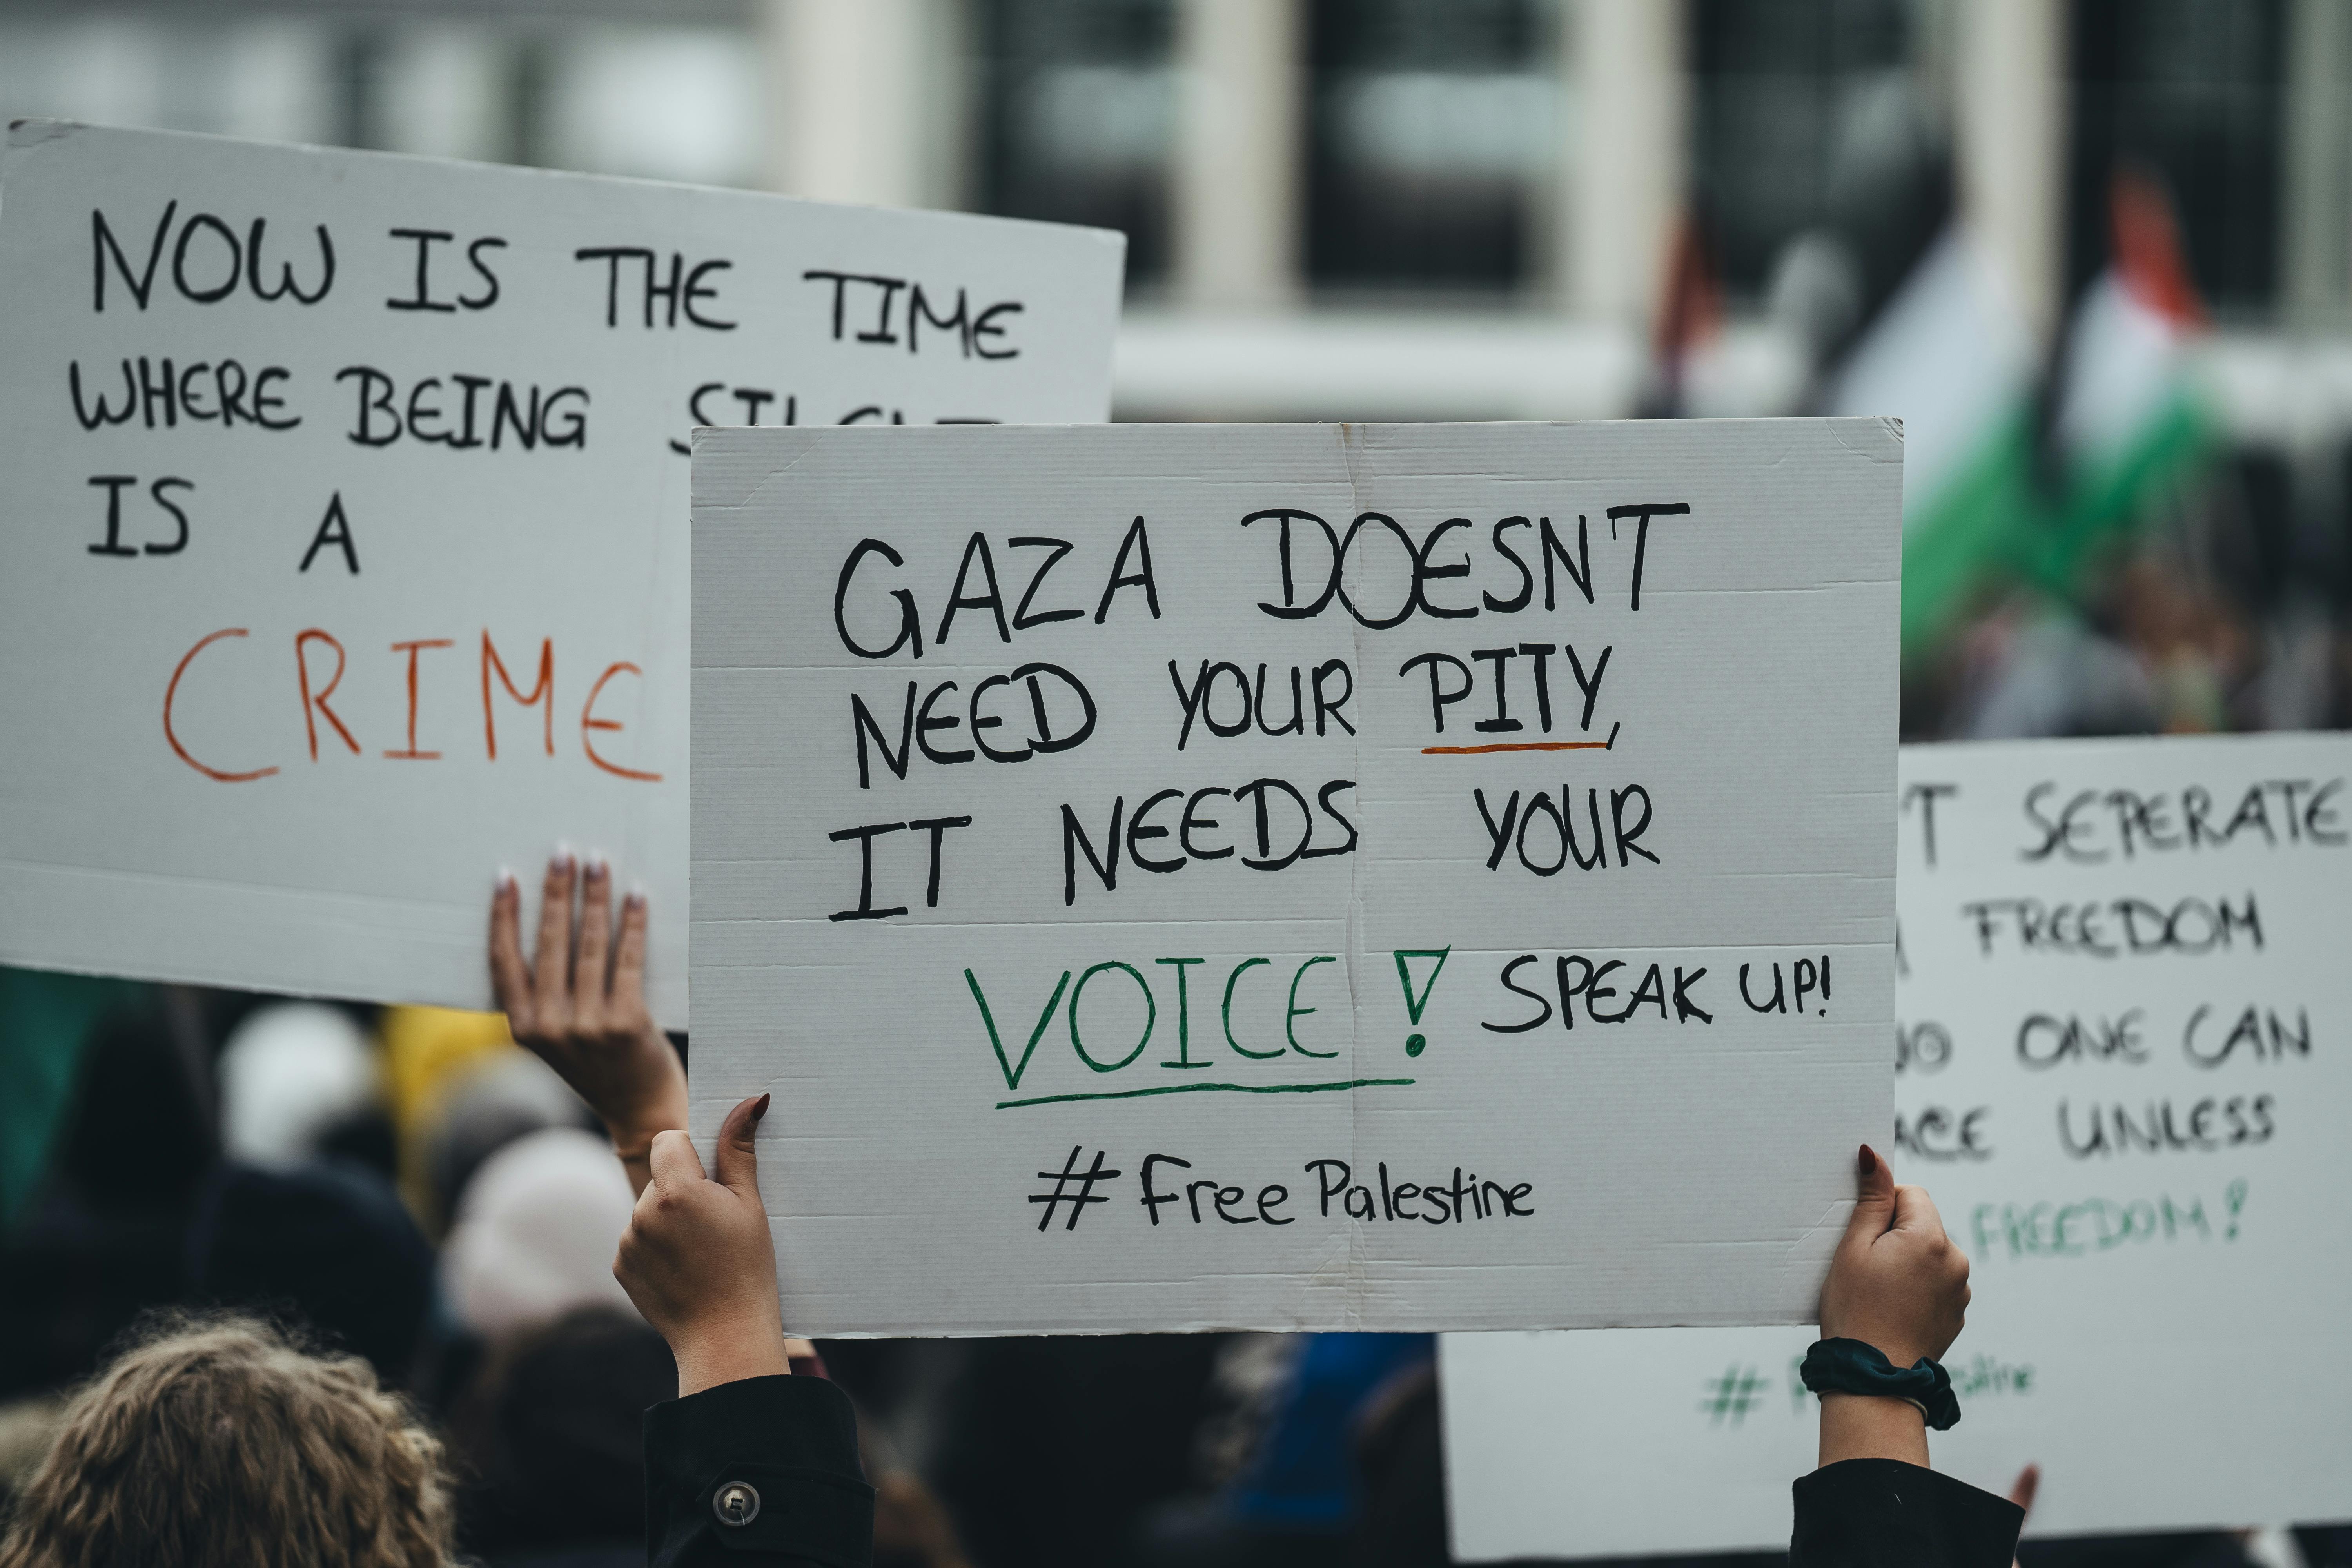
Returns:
(1517, 746)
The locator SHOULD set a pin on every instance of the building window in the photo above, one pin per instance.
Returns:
(1434, 125)
(1079, 117)
(661, 100)
(2191, 92)
(1802, 109)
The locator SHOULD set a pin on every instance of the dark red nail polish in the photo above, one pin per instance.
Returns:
(760, 1110)
(1865, 1160)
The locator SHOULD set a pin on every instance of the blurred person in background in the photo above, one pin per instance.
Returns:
(472, 1113)
(300, 1219)
(45, 1019)
(549, 1441)
(459, 1089)
(1286, 1489)
(549, 1450)
(546, 1429)
(2159, 652)
(535, 1233)
(326, 1245)
(301, 1081)
(221, 1439)
(100, 1234)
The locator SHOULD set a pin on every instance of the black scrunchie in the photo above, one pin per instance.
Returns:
(1851, 1366)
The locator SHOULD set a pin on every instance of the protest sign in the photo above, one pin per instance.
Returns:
(2119, 1072)
(343, 554)
(1295, 876)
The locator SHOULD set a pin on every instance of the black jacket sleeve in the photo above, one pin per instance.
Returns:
(1883, 1514)
(792, 1442)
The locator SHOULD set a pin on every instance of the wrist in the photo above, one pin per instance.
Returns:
(729, 1353)
(632, 1134)
(1871, 1426)
(634, 1144)
(650, 1098)
(635, 1153)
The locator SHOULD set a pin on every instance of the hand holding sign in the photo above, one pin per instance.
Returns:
(697, 1263)
(584, 1017)
(1897, 1283)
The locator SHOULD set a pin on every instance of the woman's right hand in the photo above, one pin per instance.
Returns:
(1897, 1282)
(579, 1004)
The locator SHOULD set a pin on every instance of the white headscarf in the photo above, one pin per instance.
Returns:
(537, 1228)
(289, 1074)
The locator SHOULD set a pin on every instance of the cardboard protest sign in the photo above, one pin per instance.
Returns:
(2119, 1070)
(344, 552)
(1295, 876)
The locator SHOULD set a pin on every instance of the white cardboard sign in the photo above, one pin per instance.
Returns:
(343, 549)
(2119, 1070)
(1295, 876)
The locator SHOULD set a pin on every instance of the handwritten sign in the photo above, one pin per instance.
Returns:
(1295, 876)
(343, 551)
(2119, 1067)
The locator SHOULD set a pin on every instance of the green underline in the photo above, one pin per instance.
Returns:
(1211, 1088)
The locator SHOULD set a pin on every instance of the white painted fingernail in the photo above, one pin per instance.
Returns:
(597, 864)
(637, 894)
(506, 880)
(562, 859)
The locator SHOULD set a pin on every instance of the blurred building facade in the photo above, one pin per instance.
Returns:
(1321, 195)
(1435, 208)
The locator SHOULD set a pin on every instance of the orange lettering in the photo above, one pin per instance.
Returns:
(172, 691)
(412, 649)
(589, 721)
(545, 688)
(302, 667)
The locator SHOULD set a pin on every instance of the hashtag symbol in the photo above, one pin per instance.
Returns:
(1734, 1395)
(1061, 1193)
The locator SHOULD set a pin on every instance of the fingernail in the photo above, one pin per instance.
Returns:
(1864, 1161)
(638, 895)
(506, 880)
(597, 866)
(561, 862)
(760, 1110)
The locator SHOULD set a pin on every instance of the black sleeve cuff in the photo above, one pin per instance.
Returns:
(1883, 1511)
(793, 1440)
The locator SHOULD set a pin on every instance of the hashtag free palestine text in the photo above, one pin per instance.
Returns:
(1466, 1199)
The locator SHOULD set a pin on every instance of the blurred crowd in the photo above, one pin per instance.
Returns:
(409, 1185)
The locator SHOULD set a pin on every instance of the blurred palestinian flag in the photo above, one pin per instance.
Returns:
(2128, 422)
(1952, 357)
(2008, 476)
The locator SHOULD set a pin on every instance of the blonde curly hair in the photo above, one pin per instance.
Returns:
(218, 1440)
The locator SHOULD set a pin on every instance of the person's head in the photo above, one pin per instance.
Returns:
(328, 1244)
(297, 1080)
(479, 1109)
(551, 1437)
(216, 1441)
(536, 1231)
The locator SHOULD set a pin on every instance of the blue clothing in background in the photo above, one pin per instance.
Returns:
(1303, 1475)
